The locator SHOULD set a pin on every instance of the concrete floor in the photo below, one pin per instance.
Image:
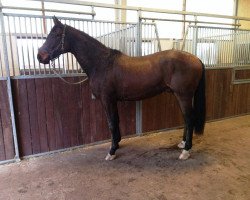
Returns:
(146, 168)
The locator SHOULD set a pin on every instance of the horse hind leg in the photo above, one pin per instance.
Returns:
(185, 102)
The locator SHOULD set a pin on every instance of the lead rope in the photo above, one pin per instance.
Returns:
(63, 79)
(53, 64)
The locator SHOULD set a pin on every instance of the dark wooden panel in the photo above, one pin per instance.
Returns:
(161, 112)
(6, 137)
(20, 98)
(49, 110)
(85, 116)
(53, 115)
(41, 115)
(33, 115)
(127, 113)
(59, 103)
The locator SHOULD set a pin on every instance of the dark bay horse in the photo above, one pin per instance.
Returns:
(114, 76)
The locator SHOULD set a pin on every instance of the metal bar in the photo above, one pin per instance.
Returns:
(44, 17)
(48, 10)
(189, 21)
(39, 66)
(33, 52)
(11, 49)
(139, 53)
(10, 97)
(27, 46)
(195, 39)
(24, 68)
(157, 37)
(9, 161)
(41, 26)
(63, 18)
(18, 62)
(122, 7)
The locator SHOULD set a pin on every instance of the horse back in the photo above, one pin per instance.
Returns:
(141, 77)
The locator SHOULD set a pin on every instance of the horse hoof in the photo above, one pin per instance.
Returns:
(181, 145)
(110, 157)
(184, 155)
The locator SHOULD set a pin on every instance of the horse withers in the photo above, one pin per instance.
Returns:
(114, 76)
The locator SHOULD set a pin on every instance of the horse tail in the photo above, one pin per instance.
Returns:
(200, 105)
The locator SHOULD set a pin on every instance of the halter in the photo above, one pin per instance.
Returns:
(63, 37)
(53, 61)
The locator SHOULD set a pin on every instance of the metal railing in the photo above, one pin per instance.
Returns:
(219, 47)
(26, 33)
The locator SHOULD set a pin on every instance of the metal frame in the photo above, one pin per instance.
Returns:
(104, 5)
(9, 90)
(50, 10)
(190, 21)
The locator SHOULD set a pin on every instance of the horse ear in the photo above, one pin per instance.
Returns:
(56, 21)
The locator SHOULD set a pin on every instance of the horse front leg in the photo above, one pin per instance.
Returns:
(181, 145)
(111, 111)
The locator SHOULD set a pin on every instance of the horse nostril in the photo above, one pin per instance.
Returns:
(43, 56)
(39, 57)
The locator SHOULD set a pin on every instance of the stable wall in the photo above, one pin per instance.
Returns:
(51, 115)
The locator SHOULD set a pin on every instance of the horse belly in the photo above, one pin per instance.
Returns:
(140, 91)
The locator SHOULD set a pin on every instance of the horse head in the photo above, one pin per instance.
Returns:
(55, 44)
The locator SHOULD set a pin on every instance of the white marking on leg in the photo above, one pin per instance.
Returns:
(184, 155)
(110, 157)
(182, 144)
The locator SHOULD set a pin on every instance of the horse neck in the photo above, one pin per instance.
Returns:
(89, 52)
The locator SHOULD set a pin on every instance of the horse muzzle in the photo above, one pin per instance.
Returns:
(43, 56)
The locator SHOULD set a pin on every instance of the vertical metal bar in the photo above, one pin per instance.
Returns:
(224, 48)
(21, 40)
(151, 39)
(10, 97)
(36, 32)
(207, 43)
(248, 50)
(11, 49)
(195, 37)
(131, 39)
(128, 40)
(108, 34)
(33, 52)
(139, 53)
(213, 56)
(230, 46)
(240, 44)
(72, 58)
(42, 36)
(27, 46)
(245, 47)
(212, 40)
(15, 32)
(77, 66)
(43, 18)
